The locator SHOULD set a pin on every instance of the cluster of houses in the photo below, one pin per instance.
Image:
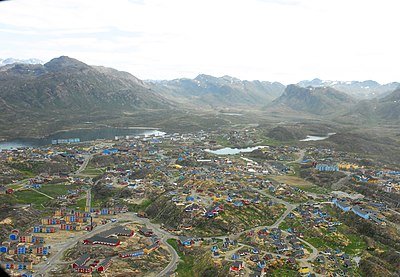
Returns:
(110, 238)
(24, 246)
(100, 266)
(347, 206)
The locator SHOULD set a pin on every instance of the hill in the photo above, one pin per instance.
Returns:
(211, 92)
(386, 109)
(67, 91)
(313, 100)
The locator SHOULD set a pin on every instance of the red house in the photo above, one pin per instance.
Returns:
(83, 269)
(81, 261)
(104, 264)
(237, 265)
(146, 232)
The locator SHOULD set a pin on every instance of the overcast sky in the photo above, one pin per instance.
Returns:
(271, 40)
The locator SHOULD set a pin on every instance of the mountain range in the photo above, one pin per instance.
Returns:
(66, 92)
(362, 90)
(213, 92)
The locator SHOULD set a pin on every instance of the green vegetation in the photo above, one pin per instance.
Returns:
(31, 197)
(356, 246)
(283, 272)
(140, 207)
(185, 267)
(92, 171)
(55, 190)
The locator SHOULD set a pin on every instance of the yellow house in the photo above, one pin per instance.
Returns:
(304, 270)
(347, 166)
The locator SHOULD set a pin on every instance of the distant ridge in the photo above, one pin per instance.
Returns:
(216, 92)
(362, 90)
(26, 61)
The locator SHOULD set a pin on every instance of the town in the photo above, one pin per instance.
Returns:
(219, 203)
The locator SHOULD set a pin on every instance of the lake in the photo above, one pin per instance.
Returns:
(82, 134)
(315, 138)
(233, 151)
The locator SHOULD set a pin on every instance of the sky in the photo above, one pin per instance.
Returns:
(270, 40)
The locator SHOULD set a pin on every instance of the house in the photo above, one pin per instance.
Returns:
(136, 253)
(320, 259)
(4, 248)
(185, 241)
(146, 232)
(17, 265)
(83, 269)
(237, 266)
(342, 204)
(360, 212)
(304, 270)
(238, 203)
(81, 260)
(96, 239)
(104, 264)
(151, 248)
(43, 229)
(118, 231)
(326, 167)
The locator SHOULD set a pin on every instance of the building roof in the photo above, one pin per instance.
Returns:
(103, 239)
(82, 259)
(105, 262)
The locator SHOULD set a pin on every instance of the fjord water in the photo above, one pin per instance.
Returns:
(233, 151)
(315, 138)
(82, 134)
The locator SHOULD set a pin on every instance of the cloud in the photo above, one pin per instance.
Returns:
(254, 39)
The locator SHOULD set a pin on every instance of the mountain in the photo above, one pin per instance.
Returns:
(67, 90)
(362, 90)
(12, 60)
(313, 100)
(212, 92)
(386, 109)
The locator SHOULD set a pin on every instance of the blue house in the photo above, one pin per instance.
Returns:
(235, 256)
(360, 212)
(185, 241)
(189, 198)
(238, 203)
(13, 236)
(325, 167)
(21, 249)
(343, 205)
(3, 248)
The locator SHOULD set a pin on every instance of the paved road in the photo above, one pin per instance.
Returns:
(84, 164)
(49, 264)
(163, 235)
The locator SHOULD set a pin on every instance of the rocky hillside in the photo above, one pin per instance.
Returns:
(65, 91)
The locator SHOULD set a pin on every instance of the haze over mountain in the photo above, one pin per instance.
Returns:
(226, 91)
(25, 61)
(313, 100)
(362, 90)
